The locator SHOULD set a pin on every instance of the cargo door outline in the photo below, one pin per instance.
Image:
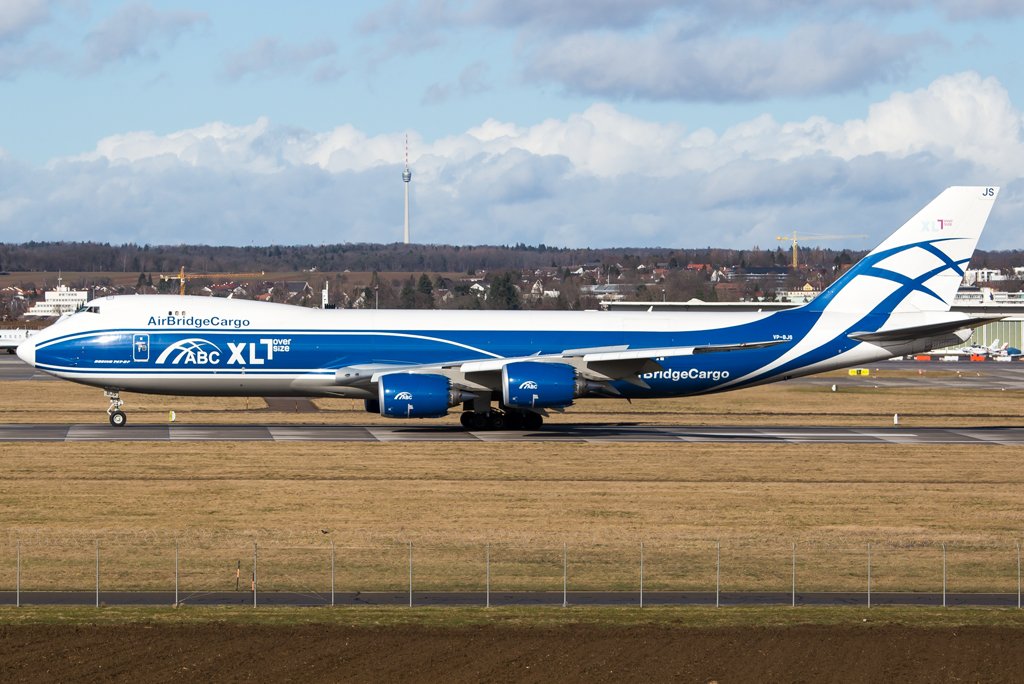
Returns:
(140, 347)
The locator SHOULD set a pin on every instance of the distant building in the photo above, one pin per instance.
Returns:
(58, 302)
(976, 276)
(297, 289)
(612, 292)
(728, 291)
(765, 274)
(799, 296)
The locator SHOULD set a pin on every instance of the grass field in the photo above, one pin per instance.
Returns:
(214, 500)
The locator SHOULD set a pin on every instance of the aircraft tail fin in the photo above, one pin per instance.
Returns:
(921, 265)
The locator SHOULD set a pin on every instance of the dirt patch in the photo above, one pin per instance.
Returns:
(229, 652)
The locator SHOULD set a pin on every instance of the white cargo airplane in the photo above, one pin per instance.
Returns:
(507, 368)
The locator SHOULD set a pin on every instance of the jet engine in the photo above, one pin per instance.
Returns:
(533, 384)
(413, 395)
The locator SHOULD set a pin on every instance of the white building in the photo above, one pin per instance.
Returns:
(975, 276)
(58, 301)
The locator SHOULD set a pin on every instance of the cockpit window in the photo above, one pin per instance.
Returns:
(90, 309)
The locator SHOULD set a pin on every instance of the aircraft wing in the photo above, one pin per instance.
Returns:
(597, 364)
(916, 332)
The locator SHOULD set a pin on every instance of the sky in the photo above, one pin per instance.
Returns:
(576, 123)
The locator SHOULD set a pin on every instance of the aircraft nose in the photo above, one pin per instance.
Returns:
(27, 352)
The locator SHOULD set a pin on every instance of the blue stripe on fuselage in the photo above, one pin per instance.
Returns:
(277, 352)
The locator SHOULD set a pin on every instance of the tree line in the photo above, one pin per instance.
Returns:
(130, 257)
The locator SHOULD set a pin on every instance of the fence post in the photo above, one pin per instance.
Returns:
(641, 574)
(869, 574)
(793, 603)
(410, 574)
(97, 573)
(17, 581)
(718, 573)
(175, 572)
(565, 576)
(255, 576)
(332, 572)
(943, 574)
(487, 562)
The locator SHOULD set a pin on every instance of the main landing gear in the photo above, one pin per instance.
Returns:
(117, 416)
(501, 420)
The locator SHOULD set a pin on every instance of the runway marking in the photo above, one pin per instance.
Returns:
(207, 433)
(338, 434)
(587, 433)
(399, 434)
(100, 433)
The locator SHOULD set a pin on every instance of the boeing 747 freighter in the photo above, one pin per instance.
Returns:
(507, 369)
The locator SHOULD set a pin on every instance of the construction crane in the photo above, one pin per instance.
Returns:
(811, 236)
(181, 276)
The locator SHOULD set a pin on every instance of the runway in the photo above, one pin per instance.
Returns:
(933, 375)
(583, 433)
(496, 599)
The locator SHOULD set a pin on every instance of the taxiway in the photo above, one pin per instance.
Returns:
(38, 432)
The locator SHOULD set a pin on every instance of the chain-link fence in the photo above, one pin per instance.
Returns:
(693, 570)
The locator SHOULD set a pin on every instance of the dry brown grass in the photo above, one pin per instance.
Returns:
(525, 500)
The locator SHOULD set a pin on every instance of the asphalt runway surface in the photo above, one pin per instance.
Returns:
(939, 375)
(497, 598)
(103, 432)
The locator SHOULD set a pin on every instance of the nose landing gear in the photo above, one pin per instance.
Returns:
(117, 416)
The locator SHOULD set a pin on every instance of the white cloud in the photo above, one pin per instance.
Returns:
(18, 17)
(570, 16)
(701, 50)
(268, 56)
(216, 146)
(600, 177)
(472, 81)
(136, 31)
(670, 65)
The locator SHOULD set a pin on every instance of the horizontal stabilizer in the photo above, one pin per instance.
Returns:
(923, 331)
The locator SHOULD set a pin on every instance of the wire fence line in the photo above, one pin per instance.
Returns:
(253, 567)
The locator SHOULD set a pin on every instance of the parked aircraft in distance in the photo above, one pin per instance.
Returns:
(994, 350)
(10, 339)
(506, 369)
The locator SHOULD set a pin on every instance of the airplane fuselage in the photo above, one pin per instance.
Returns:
(165, 344)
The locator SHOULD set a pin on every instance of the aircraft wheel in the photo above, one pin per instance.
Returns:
(471, 420)
(532, 421)
(514, 420)
(496, 421)
(118, 418)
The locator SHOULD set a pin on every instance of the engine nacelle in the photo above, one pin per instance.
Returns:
(533, 384)
(413, 395)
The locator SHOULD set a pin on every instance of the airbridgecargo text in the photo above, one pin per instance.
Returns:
(691, 374)
(193, 322)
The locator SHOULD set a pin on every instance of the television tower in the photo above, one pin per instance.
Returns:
(407, 176)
